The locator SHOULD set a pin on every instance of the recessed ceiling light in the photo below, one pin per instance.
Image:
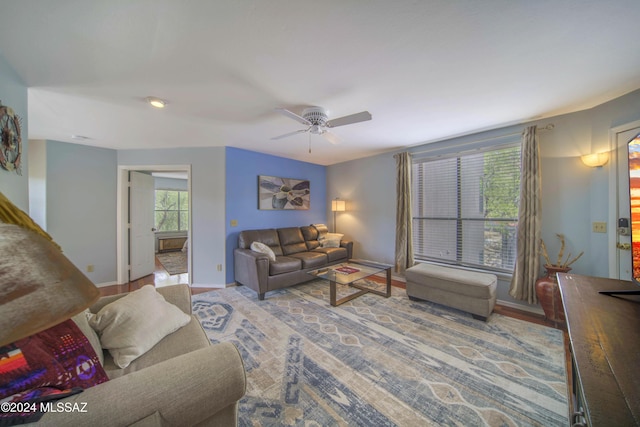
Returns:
(156, 102)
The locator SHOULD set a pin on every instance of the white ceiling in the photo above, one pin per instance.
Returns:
(425, 69)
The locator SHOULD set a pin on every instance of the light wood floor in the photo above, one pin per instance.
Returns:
(161, 277)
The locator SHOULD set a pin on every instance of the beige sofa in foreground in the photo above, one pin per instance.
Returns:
(182, 381)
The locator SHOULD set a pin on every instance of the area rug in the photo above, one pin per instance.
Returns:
(173, 262)
(381, 362)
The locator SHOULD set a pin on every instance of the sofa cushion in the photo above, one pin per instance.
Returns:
(310, 234)
(268, 236)
(291, 240)
(132, 325)
(311, 259)
(284, 264)
(333, 254)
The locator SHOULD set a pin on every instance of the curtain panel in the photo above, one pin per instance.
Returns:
(404, 244)
(529, 220)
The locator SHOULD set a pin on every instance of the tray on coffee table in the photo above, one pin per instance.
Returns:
(347, 273)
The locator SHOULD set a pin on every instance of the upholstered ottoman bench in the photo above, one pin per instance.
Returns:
(465, 290)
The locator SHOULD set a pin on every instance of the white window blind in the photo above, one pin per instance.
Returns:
(465, 208)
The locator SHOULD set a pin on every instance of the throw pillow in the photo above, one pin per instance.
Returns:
(132, 325)
(51, 364)
(263, 249)
(331, 240)
(82, 321)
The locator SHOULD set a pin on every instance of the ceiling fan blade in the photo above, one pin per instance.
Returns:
(347, 120)
(294, 116)
(289, 134)
(331, 137)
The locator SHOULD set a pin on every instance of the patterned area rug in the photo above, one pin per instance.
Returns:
(173, 262)
(382, 362)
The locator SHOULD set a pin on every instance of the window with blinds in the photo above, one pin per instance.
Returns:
(465, 208)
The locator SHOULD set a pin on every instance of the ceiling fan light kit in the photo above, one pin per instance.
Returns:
(317, 121)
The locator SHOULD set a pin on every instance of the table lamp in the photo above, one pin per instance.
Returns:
(39, 286)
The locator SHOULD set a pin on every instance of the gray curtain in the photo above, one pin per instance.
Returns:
(529, 220)
(404, 244)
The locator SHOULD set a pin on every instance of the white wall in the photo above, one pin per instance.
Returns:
(574, 196)
(207, 204)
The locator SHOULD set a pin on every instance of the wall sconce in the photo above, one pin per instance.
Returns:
(337, 205)
(596, 160)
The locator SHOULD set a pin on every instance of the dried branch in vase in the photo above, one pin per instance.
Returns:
(559, 263)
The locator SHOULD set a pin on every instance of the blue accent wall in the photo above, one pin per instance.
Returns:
(241, 188)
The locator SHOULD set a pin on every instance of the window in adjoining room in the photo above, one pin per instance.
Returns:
(172, 210)
(465, 208)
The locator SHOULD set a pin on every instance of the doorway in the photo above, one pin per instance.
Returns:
(123, 231)
(620, 244)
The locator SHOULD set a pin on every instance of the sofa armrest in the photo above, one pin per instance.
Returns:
(251, 269)
(349, 245)
(185, 390)
(179, 295)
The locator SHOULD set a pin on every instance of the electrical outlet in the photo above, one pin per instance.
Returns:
(90, 268)
(219, 267)
(599, 227)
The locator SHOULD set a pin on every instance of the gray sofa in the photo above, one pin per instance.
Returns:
(297, 251)
(183, 380)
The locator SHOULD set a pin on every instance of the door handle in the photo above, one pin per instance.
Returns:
(153, 229)
(624, 246)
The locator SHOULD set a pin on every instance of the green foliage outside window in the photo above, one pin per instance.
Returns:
(172, 210)
(501, 183)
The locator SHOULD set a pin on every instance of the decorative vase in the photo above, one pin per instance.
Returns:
(548, 293)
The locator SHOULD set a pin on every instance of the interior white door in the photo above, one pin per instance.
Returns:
(623, 241)
(141, 220)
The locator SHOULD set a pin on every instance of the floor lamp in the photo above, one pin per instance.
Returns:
(337, 205)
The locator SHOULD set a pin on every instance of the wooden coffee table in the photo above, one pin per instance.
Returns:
(347, 273)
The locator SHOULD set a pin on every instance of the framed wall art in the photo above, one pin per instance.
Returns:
(11, 143)
(276, 193)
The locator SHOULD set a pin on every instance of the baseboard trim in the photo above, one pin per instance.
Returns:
(207, 285)
(522, 307)
(102, 285)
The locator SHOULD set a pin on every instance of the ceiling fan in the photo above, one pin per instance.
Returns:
(317, 121)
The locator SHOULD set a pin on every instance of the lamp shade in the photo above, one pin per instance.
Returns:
(39, 286)
(338, 205)
(595, 160)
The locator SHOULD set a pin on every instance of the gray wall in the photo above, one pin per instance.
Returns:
(574, 196)
(207, 204)
(81, 206)
(13, 93)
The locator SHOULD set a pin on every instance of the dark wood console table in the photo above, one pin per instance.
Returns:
(604, 335)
